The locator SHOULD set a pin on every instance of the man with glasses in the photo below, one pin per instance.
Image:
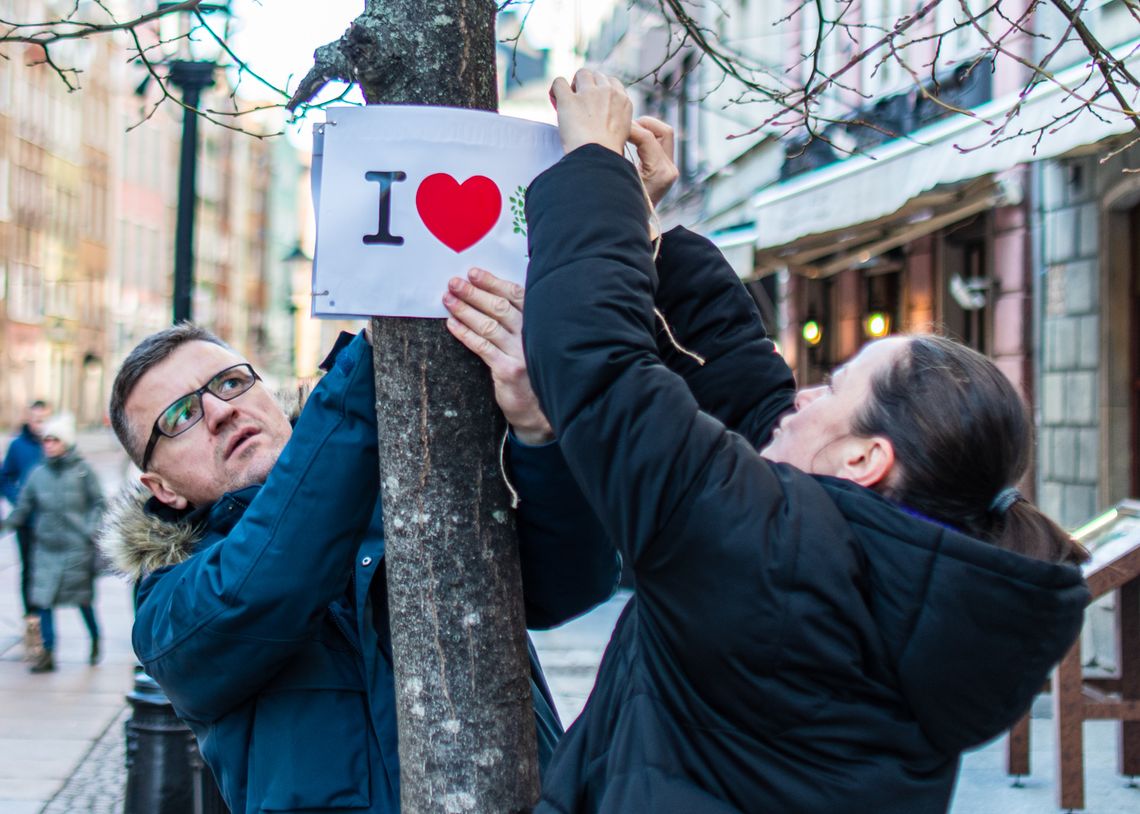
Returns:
(263, 609)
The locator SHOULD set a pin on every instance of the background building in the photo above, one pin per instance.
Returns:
(57, 186)
(899, 214)
(88, 188)
(1086, 215)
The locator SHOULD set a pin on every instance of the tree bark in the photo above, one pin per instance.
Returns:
(463, 699)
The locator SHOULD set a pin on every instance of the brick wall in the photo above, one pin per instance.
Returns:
(1068, 443)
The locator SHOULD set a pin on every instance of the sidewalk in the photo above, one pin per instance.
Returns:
(49, 723)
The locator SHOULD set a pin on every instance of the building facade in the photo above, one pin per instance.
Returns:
(1089, 308)
(88, 190)
(56, 193)
(901, 214)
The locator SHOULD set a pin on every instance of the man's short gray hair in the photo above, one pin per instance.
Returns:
(148, 353)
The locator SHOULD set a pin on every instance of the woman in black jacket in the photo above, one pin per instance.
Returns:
(821, 625)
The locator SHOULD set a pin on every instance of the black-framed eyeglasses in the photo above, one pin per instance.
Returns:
(185, 412)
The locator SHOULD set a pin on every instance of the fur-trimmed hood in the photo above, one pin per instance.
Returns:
(138, 541)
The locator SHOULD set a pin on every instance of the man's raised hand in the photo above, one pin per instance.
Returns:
(486, 316)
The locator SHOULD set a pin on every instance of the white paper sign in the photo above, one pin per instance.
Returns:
(409, 197)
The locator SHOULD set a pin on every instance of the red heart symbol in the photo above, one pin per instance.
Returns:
(459, 215)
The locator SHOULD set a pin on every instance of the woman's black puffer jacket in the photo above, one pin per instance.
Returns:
(796, 643)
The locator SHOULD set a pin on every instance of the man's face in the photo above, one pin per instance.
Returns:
(816, 437)
(36, 418)
(234, 445)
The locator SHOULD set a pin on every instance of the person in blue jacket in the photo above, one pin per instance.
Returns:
(837, 589)
(24, 452)
(262, 611)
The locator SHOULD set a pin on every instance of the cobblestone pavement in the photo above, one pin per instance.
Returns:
(98, 785)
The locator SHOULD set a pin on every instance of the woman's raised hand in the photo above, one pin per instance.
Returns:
(594, 109)
(654, 142)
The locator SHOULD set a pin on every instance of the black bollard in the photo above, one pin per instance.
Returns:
(165, 772)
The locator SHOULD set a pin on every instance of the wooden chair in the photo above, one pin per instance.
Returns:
(1114, 539)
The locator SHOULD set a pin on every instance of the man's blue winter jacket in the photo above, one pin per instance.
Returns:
(269, 631)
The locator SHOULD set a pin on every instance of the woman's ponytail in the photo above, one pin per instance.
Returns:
(961, 436)
(1027, 530)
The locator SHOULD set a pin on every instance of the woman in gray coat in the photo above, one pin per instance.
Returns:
(63, 497)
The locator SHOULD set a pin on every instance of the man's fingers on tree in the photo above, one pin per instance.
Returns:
(479, 345)
(487, 327)
(512, 385)
(478, 301)
(475, 320)
(513, 293)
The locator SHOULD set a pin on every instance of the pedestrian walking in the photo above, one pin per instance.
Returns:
(24, 452)
(63, 498)
(837, 590)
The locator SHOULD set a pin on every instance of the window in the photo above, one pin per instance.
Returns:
(25, 294)
(5, 170)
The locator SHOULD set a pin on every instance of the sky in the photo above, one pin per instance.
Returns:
(277, 37)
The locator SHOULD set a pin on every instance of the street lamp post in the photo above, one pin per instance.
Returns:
(192, 78)
(193, 42)
(165, 771)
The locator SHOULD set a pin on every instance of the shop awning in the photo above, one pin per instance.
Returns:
(821, 255)
(868, 188)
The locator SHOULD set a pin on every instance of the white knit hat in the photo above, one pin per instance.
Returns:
(61, 426)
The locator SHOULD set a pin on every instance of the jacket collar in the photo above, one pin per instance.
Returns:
(140, 534)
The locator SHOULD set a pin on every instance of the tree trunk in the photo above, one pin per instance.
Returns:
(464, 709)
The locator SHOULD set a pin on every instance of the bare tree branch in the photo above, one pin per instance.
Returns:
(330, 64)
(824, 99)
(1105, 62)
(812, 97)
(46, 33)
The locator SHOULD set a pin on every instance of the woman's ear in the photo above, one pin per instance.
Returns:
(869, 461)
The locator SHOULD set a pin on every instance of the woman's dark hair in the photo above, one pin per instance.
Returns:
(961, 434)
